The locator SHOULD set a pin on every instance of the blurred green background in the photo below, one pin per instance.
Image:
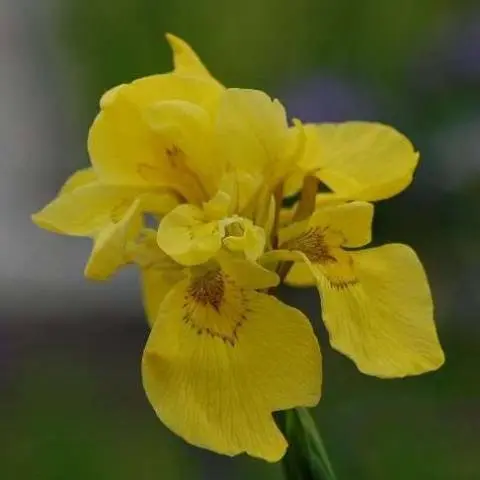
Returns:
(71, 404)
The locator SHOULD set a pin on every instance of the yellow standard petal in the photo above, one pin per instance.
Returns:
(360, 160)
(155, 132)
(253, 134)
(221, 358)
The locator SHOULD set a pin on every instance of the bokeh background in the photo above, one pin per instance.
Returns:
(71, 402)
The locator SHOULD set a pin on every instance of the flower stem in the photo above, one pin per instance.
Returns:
(306, 457)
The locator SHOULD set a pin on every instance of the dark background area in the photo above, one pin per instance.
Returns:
(71, 401)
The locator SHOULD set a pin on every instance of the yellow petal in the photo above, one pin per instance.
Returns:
(157, 281)
(350, 221)
(187, 127)
(184, 235)
(300, 143)
(85, 210)
(128, 148)
(147, 91)
(158, 202)
(246, 273)
(225, 201)
(185, 60)
(79, 179)
(346, 225)
(382, 315)
(221, 359)
(249, 185)
(361, 160)
(300, 275)
(159, 273)
(253, 132)
(110, 244)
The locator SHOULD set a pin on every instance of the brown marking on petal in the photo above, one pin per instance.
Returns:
(174, 152)
(312, 244)
(342, 283)
(209, 312)
(208, 289)
(339, 275)
(338, 284)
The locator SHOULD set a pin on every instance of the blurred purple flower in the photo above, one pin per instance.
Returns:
(326, 98)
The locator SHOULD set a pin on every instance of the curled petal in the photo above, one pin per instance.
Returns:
(184, 235)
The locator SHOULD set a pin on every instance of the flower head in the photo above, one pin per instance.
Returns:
(187, 183)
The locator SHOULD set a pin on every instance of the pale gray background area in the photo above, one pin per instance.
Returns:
(41, 274)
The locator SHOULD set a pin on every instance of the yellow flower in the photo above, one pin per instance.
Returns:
(222, 357)
(210, 167)
(376, 302)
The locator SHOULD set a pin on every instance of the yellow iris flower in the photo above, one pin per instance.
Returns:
(187, 182)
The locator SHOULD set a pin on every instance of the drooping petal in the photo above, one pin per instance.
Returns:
(110, 244)
(360, 160)
(220, 359)
(85, 210)
(186, 61)
(184, 235)
(79, 179)
(379, 312)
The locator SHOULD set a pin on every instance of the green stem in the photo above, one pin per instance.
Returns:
(306, 457)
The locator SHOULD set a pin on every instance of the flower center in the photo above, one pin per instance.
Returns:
(234, 229)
